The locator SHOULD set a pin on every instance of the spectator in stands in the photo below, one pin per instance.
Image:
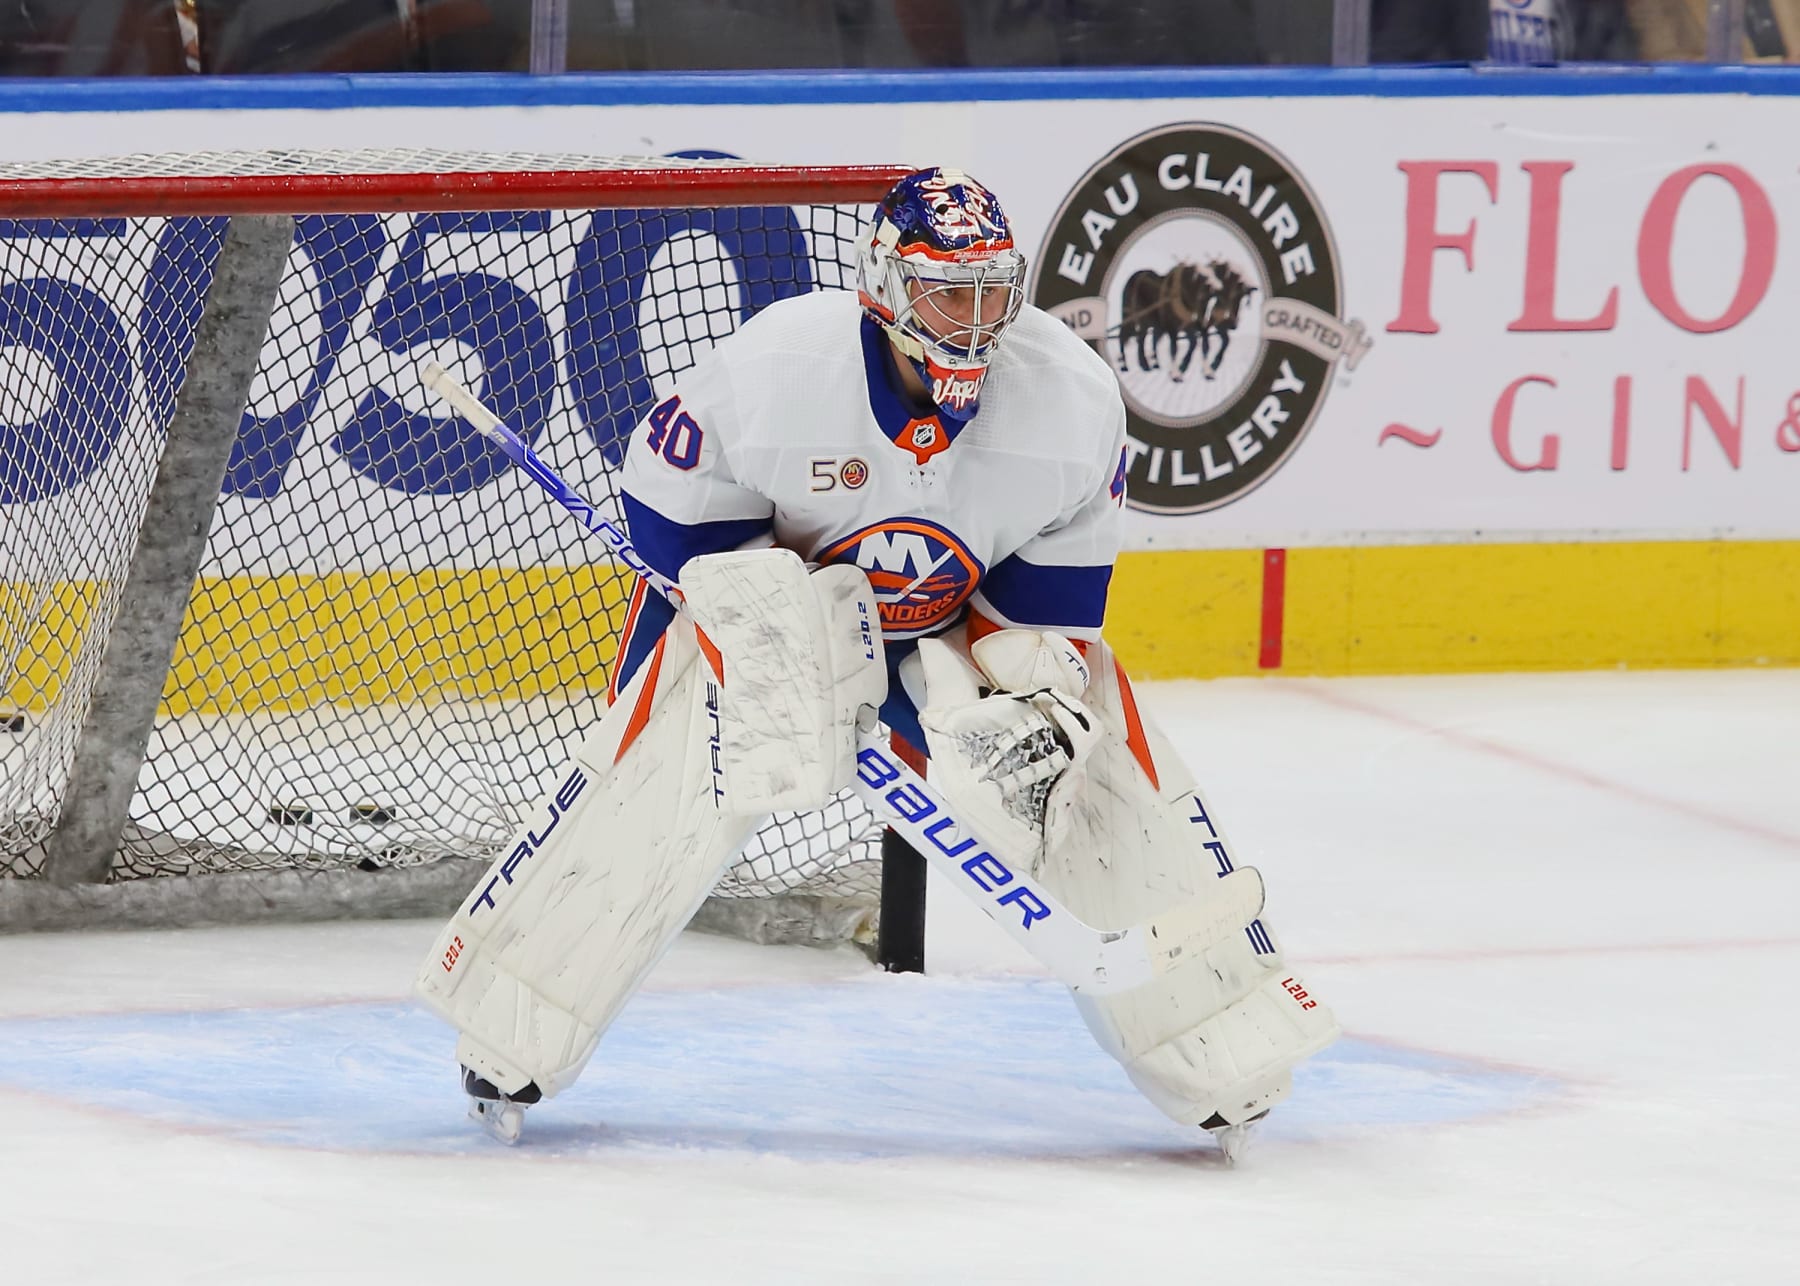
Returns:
(90, 38)
(1428, 31)
(1676, 30)
(1525, 31)
(111, 37)
(1599, 31)
(1104, 33)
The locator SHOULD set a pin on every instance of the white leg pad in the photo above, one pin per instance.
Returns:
(1220, 1034)
(1234, 1063)
(563, 928)
(753, 709)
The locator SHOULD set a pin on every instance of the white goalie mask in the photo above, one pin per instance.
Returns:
(939, 271)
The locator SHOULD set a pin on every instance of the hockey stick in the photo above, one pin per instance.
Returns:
(1097, 961)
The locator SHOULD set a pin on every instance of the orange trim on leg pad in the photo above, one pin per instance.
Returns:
(1134, 727)
(710, 651)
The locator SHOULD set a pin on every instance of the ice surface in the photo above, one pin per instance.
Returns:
(1557, 914)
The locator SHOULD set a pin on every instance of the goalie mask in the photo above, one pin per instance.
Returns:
(939, 271)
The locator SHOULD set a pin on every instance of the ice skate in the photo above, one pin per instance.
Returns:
(1233, 1139)
(501, 1115)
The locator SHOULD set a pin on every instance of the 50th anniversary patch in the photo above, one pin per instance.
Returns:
(1196, 260)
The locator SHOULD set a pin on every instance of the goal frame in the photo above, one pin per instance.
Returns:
(410, 192)
(92, 825)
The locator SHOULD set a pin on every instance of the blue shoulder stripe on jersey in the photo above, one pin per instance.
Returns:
(886, 401)
(667, 545)
(1047, 595)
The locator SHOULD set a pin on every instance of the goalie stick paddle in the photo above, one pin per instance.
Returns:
(1084, 958)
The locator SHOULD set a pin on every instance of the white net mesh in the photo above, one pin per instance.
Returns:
(395, 640)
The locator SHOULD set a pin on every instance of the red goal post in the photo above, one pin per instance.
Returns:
(344, 646)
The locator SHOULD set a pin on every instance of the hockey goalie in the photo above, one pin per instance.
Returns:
(902, 504)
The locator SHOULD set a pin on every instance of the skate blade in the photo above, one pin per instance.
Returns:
(1234, 1140)
(504, 1121)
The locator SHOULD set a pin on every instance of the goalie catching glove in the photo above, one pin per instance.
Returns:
(1004, 737)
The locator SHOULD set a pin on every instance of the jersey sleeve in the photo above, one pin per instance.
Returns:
(681, 496)
(1058, 579)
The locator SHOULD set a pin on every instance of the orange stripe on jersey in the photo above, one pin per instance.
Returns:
(631, 615)
(710, 651)
(1134, 727)
(979, 627)
(640, 713)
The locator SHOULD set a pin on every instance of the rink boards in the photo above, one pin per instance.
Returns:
(1459, 370)
(1425, 609)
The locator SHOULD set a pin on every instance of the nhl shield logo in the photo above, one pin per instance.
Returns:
(1197, 262)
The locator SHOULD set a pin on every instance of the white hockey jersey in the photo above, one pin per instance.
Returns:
(791, 431)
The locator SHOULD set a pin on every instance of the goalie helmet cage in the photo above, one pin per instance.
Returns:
(298, 643)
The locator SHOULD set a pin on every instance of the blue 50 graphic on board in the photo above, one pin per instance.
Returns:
(479, 283)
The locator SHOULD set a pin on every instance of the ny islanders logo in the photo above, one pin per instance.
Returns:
(1197, 262)
(921, 573)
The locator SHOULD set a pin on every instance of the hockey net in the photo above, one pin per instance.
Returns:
(394, 640)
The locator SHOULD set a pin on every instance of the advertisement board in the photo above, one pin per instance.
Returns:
(1345, 311)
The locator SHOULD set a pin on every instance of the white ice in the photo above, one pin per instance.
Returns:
(1557, 915)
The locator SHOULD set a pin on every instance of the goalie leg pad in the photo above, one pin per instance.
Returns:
(1122, 837)
(1218, 1036)
(595, 886)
